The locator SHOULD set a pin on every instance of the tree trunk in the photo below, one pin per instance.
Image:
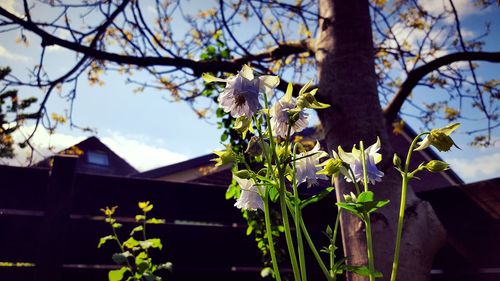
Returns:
(347, 81)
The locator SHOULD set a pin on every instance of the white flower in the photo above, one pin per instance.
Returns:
(372, 157)
(250, 198)
(280, 119)
(241, 94)
(308, 165)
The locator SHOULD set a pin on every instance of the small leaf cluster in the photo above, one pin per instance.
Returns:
(134, 256)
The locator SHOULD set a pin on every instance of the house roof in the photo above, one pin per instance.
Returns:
(202, 170)
(95, 158)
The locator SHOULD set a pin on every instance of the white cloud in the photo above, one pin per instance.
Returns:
(141, 152)
(6, 54)
(464, 8)
(482, 167)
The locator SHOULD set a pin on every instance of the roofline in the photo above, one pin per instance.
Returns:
(408, 133)
(177, 167)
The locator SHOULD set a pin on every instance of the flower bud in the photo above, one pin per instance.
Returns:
(242, 174)
(331, 167)
(440, 140)
(224, 156)
(436, 166)
(396, 160)
(293, 116)
(254, 148)
(302, 102)
(350, 198)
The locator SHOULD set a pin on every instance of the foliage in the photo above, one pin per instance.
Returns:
(281, 166)
(417, 43)
(135, 255)
(12, 115)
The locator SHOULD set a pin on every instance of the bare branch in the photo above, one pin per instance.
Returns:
(414, 76)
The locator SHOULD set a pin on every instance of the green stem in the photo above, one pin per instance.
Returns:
(369, 243)
(121, 246)
(404, 188)
(298, 218)
(269, 235)
(312, 246)
(288, 233)
(334, 242)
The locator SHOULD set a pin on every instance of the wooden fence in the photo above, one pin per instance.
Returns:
(52, 219)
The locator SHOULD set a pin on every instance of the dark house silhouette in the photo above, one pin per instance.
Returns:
(95, 158)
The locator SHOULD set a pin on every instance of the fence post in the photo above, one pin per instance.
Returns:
(55, 223)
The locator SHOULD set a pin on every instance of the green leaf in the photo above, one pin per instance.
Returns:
(140, 217)
(232, 192)
(363, 271)
(225, 54)
(249, 230)
(121, 258)
(317, 197)
(137, 229)
(211, 50)
(117, 275)
(143, 265)
(351, 208)
(155, 221)
(273, 194)
(366, 196)
(105, 239)
(266, 271)
(130, 243)
(151, 243)
(166, 266)
(155, 243)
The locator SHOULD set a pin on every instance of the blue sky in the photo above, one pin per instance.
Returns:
(149, 130)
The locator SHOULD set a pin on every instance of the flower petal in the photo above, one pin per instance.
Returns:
(210, 78)
(247, 72)
(269, 81)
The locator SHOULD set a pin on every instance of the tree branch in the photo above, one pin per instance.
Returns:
(198, 67)
(414, 76)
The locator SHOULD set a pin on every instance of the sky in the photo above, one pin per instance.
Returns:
(149, 130)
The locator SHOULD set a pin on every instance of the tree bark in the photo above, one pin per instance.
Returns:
(347, 81)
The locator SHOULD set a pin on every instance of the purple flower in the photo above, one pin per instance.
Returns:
(372, 157)
(308, 166)
(241, 94)
(280, 116)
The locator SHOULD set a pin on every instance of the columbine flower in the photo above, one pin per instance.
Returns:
(224, 157)
(280, 117)
(372, 158)
(250, 198)
(332, 166)
(307, 166)
(241, 95)
(439, 138)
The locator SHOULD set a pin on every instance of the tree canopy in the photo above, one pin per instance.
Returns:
(416, 43)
